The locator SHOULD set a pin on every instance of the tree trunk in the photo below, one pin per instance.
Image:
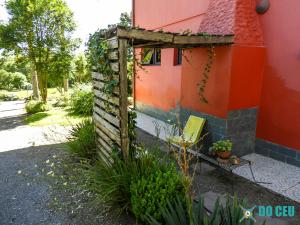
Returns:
(42, 79)
(34, 82)
(66, 84)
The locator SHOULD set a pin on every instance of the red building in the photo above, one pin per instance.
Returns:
(253, 89)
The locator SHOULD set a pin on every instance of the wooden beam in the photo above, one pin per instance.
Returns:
(99, 85)
(202, 40)
(111, 99)
(144, 35)
(99, 76)
(113, 55)
(145, 38)
(113, 43)
(123, 97)
(112, 119)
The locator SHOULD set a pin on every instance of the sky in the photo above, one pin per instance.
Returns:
(90, 14)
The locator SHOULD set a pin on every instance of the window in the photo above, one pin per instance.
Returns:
(151, 56)
(177, 56)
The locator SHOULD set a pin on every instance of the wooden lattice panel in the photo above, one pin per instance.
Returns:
(110, 110)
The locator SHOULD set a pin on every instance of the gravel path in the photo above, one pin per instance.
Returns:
(25, 197)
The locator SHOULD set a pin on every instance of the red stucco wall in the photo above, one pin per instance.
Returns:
(217, 88)
(261, 69)
(279, 119)
(159, 86)
(246, 76)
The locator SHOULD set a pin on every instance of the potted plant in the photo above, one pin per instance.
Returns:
(222, 148)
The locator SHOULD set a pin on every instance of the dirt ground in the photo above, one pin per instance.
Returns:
(27, 198)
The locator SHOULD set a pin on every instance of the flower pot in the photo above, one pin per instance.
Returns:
(224, 155)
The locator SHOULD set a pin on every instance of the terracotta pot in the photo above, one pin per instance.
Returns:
(224, 155)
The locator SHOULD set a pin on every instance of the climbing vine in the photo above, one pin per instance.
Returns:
(98, 58)
(205, 73)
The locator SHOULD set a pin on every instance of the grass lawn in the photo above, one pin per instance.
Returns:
(59, 116)
(22, 94)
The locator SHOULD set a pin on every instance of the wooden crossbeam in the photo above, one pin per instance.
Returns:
(146, 38)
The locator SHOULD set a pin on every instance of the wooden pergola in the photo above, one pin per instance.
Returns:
(112, 124)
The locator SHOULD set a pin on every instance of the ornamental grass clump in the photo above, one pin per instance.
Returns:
(188, 212)
(83, 140)
(138, 184)
(36, 106)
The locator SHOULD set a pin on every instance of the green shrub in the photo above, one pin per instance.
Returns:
(62, 101)
(8, 97)
(151, 192)
(82, 101)
(83, 140)
(5, 79)
(10, 81)
(112, 180)
(36, 106)
(178, 212)
(18, 80)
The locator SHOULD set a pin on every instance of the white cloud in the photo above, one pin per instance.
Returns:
(93, 14)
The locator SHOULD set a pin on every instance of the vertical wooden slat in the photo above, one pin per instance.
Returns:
(123, 96)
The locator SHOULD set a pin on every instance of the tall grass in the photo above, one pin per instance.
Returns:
(83, 140)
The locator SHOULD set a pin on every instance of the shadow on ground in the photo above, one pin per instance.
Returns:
(27, 195)
(11, 122)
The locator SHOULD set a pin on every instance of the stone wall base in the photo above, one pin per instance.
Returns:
(278, 152)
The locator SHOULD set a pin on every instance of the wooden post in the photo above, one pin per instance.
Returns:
(123, 97)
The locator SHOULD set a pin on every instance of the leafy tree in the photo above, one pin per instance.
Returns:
(15, 63)
(125, 20)
(61, 65)
(40, 30)
(81, 69)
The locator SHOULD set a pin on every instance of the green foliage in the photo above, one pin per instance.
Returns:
(98, 55)
(13, 64)
(222, 146)
(111, 180)
(35, 107)
(83, 140)
(81, 71)
(125, 20)
(9, 80)
(178, 212)
(5, 79)
(8, 97)
(82, 100)
(151, 192)
(41, 31)
(131, 127)
(36, 117)
(18, 80)
(62, 101)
